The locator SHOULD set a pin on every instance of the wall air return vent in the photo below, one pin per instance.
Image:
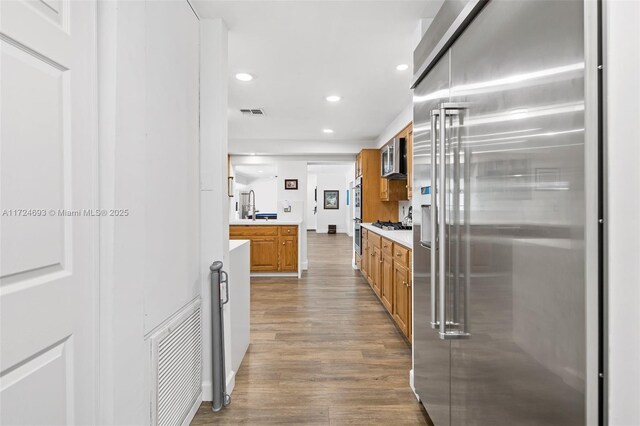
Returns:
(252, 111)
(177, 367)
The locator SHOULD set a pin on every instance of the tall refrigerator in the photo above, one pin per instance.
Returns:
(500, 318)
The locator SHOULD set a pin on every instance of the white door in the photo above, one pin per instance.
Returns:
(47, 261)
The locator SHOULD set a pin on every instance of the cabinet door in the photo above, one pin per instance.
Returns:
(288, 254)
(365, 259)
(376, 270)
(264, 254)
(384, 189)
(386, 282)
(402, 299)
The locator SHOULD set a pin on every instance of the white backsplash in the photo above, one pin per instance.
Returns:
(403, 205)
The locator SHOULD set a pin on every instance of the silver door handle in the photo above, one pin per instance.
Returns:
(434, 247)
(446, 333)
(224, 279)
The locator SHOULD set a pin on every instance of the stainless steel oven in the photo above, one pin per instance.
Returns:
(357, 199)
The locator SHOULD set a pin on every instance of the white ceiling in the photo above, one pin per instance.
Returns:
(302, 51)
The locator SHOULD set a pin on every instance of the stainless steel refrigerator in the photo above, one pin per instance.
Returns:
(500, 321)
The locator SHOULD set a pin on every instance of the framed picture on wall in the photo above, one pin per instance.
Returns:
(291, 184)
(331, 200)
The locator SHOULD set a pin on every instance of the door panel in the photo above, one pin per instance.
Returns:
(288, 261)
(519, 67)
(48, 262)
(264, 254)
(386, 283)
(376, 269)
(431, 354)
(401, 301)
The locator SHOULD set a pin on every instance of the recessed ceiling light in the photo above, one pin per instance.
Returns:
(253, 153)
(402, 67)
(333, 98)
(243, 76)
(260, 171)
(327, 130)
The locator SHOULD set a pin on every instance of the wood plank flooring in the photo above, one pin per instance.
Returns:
(323, 351)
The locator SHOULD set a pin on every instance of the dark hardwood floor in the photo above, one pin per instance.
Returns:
(323, 351)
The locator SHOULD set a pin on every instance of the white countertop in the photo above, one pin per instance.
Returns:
(264, 222)
(234, 244)
(404, 237)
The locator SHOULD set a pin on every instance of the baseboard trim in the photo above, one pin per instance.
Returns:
(192, 412)
(274, 274)
(305, 265)
(411, 385)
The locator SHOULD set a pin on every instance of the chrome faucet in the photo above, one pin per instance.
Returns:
(252, 206)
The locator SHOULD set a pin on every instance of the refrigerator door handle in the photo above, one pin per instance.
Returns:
(447, 332)
(435, 323)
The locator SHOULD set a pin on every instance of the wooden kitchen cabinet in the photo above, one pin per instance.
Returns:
(288, 254)
(393, 189)
(386, 282)
(387, 267)
(359, 165)
(402, 298)
(264, 254)
(376, 269)
(274, 248)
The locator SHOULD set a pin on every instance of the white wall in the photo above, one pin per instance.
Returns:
(214, 199)
(622, 68)
(398, 123)
(331, 181)
(312, 182)
(266, 192)
(148, 101)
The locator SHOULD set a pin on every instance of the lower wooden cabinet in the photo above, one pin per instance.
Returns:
(288, 254)
(264, 254)
(387, 267)
(402, 298)
(386, 282)
(274, 248)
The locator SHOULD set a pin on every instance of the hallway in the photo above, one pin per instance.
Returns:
(323, 351)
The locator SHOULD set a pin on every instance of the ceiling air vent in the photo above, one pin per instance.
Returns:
(252, 111)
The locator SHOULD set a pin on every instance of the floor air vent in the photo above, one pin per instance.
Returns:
(177, 364)
(253, 111)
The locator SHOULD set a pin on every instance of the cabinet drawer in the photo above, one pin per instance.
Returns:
(252, 230)
(401, 254)
(288, 230)
(387, 247)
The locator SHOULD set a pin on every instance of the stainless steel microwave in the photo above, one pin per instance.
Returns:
(393, 158)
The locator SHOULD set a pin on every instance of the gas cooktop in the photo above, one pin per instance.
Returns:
(391, 226)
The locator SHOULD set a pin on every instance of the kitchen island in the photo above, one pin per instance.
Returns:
(275, 245)
(385, 262)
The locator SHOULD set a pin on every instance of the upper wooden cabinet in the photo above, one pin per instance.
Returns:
(393, 189)
(400, 189)
(359, 165)
(373, 207)
(274, 248)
